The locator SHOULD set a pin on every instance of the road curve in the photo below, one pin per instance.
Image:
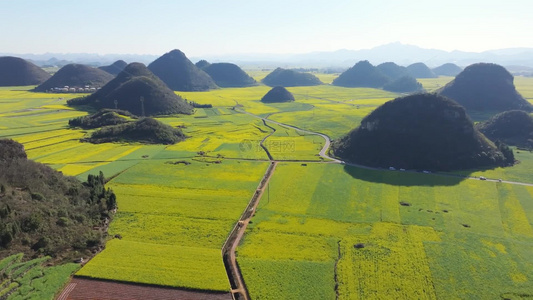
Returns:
(323, 153)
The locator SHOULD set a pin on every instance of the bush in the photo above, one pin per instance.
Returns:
(37, 196)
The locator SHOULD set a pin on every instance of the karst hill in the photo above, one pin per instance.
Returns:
(288, 78)
(422, 132)
(514, 127)
(75, 76)
(447, 69)
(16, 71)
(115, 67)
(404, 84)
(138, 91)
(362, 74)
(420, 70)
(485, 87)
(388, 76)
(392, 70)
(143, 130)
(180, 74)
(277, 94)
(228, 75)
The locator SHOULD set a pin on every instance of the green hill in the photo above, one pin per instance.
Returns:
(145, 130)
(405, 84)
(115, 67)
(420, 70)
(104, 117)
(448, 69)
(287, 78)
(485, 87)
(421, 131)
(43, 212)
(180, 74)
(514, 127)
(202, 64)
(134, 82)
(392, 70)
(277, 94)
(16, 71)
(362, 74)
(76, 76)
(228, 75)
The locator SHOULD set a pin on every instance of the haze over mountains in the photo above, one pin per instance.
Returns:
(399, 53)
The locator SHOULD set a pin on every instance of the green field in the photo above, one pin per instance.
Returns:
(315, 214)
(456, 239)
(30, 279)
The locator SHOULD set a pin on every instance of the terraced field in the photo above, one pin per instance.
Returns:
(31, 279)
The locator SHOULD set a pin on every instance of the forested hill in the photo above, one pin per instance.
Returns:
(43, 212)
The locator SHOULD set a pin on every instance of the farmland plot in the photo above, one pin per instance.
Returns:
(390, 235)
(173, 219)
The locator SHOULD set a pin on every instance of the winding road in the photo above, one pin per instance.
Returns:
(323, 153)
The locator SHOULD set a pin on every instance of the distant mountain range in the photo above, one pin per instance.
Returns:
(521, 59)
(396, 52)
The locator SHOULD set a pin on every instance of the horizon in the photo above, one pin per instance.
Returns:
(242, 28)
(267, 53)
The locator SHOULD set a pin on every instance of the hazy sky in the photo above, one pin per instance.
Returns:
(207, 27)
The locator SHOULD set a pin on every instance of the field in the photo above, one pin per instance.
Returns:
(321, 230)
(446, 229)
(30, 279)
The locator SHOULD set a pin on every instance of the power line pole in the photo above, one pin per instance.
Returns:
(116, 103)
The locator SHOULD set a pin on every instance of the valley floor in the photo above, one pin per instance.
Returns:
(322, 230)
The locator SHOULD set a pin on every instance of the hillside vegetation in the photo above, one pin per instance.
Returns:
(133, 84)
(104, 117)
(485, 87)
(421, 132)
(43, 212)
(514, 127)
(16, 71)
(146, 130)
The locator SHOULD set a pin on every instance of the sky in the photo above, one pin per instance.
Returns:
(220, 27)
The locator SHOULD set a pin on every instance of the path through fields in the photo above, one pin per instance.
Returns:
(238, 288)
